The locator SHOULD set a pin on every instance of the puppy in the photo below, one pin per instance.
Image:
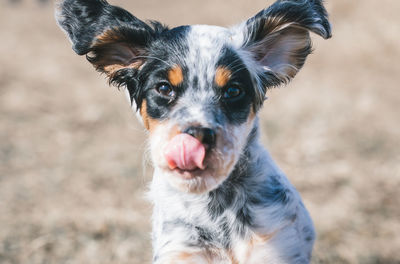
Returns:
(218, 196)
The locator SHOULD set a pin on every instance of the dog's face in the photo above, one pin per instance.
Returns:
(197, 88)
(195, 82)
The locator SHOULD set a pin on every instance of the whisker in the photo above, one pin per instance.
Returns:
(233, 62)
(151, 57)
(239, 69)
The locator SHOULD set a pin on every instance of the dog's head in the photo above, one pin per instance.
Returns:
(197, 88)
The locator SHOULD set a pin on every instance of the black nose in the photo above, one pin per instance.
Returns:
(203, 134)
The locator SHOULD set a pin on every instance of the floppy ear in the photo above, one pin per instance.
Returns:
(114, 41)
(278, 38)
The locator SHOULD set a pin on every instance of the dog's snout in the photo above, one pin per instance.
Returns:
(205, 135)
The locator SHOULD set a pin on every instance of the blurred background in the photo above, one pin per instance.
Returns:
(72, 173)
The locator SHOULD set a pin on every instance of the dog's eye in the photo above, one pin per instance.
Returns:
(232, 92)
(165, 89)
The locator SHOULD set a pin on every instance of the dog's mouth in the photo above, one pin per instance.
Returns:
(185, 153)
(194, 166)
(187, 157)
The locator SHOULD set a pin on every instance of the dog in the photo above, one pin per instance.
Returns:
(218, 196)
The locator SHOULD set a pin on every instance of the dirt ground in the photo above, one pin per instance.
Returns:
(72, 182)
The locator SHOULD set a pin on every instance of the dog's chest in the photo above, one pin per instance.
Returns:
(198, 224)
(224, 242)
(226, 235)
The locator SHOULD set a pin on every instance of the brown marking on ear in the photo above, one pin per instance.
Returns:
(273, 24)
(222, 76)
(113, 68)
(112, 52)
(175, 75)
(110, 69)
(149, 123)
(108, 36)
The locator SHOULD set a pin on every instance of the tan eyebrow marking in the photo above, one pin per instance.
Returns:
(175, 75)
(222, 76)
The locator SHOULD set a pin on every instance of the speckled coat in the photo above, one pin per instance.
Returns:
(239, 208)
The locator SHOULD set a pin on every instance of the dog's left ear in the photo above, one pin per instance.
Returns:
(113, 40)
(278, 38)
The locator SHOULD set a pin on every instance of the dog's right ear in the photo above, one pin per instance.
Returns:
(113, 40)
(278, 39)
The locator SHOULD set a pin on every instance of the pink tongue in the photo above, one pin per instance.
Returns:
(184, 152)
